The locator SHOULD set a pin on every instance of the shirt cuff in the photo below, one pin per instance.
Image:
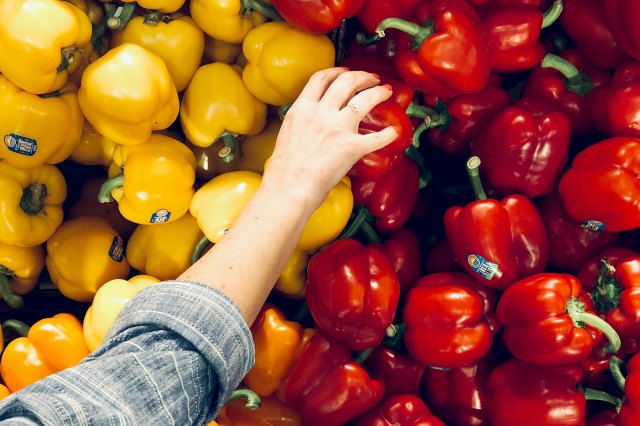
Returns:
(203, 316)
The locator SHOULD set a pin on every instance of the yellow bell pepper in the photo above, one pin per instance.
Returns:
(217, 204)
(220, 51)
(165, 250)
(225, 20)
(293, 278)
(86, 55)
(93, 149)
(38, 129)
(20, 268)
(209, 161)
(176, 39)
(156, 183)
(48, 346)
(38, 41)
(83, 254)
(107, 304)
(91, 8)
(128, 93)
(217, 104)
(257, 149)
(88, 205)
(31, 203)
(164, 6)
(281, 59)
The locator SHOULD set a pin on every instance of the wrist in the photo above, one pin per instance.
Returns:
(294, 191)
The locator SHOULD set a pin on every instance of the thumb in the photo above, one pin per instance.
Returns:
(374, 141)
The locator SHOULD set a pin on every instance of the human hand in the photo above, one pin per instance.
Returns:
(319, 141)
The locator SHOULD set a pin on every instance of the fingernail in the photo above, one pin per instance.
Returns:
(388, 86)
(376, 76)
(398, 129)
(346, 68)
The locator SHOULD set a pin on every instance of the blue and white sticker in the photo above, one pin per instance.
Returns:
(20, 144)
(161, 216)
(116, 252)
(482, 266)
(593, 225)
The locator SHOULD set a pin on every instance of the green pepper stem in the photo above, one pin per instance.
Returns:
(121, 17)
(199, 248)
(598, 395)
(20, 328)
(362, 356)
(104, 195)
(576, 80)
(253, 400)
(370, 233)
(552, 14)
(363, 40)
(154, 18)
(228, 153)
(66, 58)
(473, 164)
(417, 133)
(32, 201)
(607, 290)
(616, 365)
(418, 33)
(362, 215)
(260, 7)
(283, 110)
(575, 309)
(425, 173)
(12, 299)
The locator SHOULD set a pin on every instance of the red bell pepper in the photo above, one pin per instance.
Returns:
(352, 292)
(399, 373)
(465, 117)
(497, 242)
(447, 56)
(565, 81)
(592, 268)
(602, 184)
(317, 16)
(630, 411)
(584, 22)
(529, 395)
(445, 318)
(375, 11)
(391, 197)
(571, 243)
(608, 417)
(326, 387)
(402, 248)
(513, 32)
(525, 148)
(621, 17)
(441, 258)
(547, 320)
(623, 101)
(459, 395)
(377, 163)
(400, 410)
(596, 367)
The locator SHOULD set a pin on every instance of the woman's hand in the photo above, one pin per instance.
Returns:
(319, 141)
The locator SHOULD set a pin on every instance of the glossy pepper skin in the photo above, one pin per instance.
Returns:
(127, 94)
(498, 242)
(619, 16)
(373, 12)
(400, 373)
(588, 274)
(51, 345)
(84, 254)
(317, 16)
(293, 278)
(602, 184)
(93, 149)
(453, 54)
(538, 323)
(465, 116)
(571, 242)
(164, 251)
(445, 319)
(37, 59)
(622, 100)
(37, 129)
(107, 304)
(529, 395)
(459, 395)
(224, 20)
(217, 101)
(156, 181)
(31, 202)
(326, 387)
(281, 59)
(392, 197)
(400, 410)
(352, 292)
(163, 6)
(630, 411)
(167, 36)
(402, 248)
(524, 148)
(272, 412)
(4, 392)
(20, 269)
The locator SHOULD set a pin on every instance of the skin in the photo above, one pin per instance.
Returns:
(317, 145)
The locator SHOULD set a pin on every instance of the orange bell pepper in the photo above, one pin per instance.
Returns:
(272, 413)
(50, 345)
(4, 392)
